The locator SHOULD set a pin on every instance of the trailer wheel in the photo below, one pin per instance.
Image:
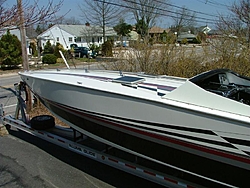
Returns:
(42, 122)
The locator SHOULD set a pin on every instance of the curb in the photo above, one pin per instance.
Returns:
(8, 74)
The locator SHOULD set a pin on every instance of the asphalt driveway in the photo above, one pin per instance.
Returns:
(27, 161)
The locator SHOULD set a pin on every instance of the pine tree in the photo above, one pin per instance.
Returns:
(48, 49)
(10, 50)
(123, 29)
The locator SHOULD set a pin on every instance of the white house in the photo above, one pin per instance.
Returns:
(68, 35)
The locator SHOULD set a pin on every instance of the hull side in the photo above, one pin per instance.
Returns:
(92, 124)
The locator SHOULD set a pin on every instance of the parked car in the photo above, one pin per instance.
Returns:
(84, 52)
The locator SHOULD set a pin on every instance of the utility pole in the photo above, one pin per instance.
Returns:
(24, 50)
(103, 21)
(23, 35)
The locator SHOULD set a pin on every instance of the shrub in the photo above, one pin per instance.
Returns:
(57, 48)
(48, 49)
(49, 59)
(196, 41)
(107, 48)
(184, 41)
(94, 48)
(60, 60)
(10, 51)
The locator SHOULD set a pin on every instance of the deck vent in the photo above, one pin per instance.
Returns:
(129, 80)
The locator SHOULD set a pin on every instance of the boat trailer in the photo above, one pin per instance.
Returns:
(72, 140)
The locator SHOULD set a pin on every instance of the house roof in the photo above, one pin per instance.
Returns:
(186, 35)
(204, 29)
(31, 33)
(82, 30)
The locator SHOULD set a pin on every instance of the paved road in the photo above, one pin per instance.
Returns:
(27, 161)
(7, 92)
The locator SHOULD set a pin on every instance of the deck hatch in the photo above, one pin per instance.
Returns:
(129, 80)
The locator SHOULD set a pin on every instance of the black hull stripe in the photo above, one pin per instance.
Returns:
(194, 130)
(247, 152)
(178, 135)
(228, 145)
(162, 131)
(238, 141)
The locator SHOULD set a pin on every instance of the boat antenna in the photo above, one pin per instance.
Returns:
(65, 61)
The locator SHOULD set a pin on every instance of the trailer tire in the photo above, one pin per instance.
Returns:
(42, 122)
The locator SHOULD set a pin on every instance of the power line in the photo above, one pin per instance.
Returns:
(169, 10)
(214, 4)
(179, 7)
(217, 3)
(211, 21)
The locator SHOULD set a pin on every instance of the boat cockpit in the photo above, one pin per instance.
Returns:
(225, 83)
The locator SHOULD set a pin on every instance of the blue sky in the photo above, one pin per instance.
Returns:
(206, 10)
(203, 9)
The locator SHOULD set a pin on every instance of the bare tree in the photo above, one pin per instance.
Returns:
(90, 32)
(33, 13)
(7, 15)
(101, 13)
(238, 22)
(183, 19)
(71, 20)
(147, 11)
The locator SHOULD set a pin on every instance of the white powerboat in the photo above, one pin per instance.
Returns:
(201, 124)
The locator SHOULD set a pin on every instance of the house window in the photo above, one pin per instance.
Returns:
(78, 39)
(70, 39)
(57, 39)
(99, 39)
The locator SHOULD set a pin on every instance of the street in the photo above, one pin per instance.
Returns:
(27, 161)
(7, 92)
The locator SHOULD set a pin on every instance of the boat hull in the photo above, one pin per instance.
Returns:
(170, 153)
(157, 131)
